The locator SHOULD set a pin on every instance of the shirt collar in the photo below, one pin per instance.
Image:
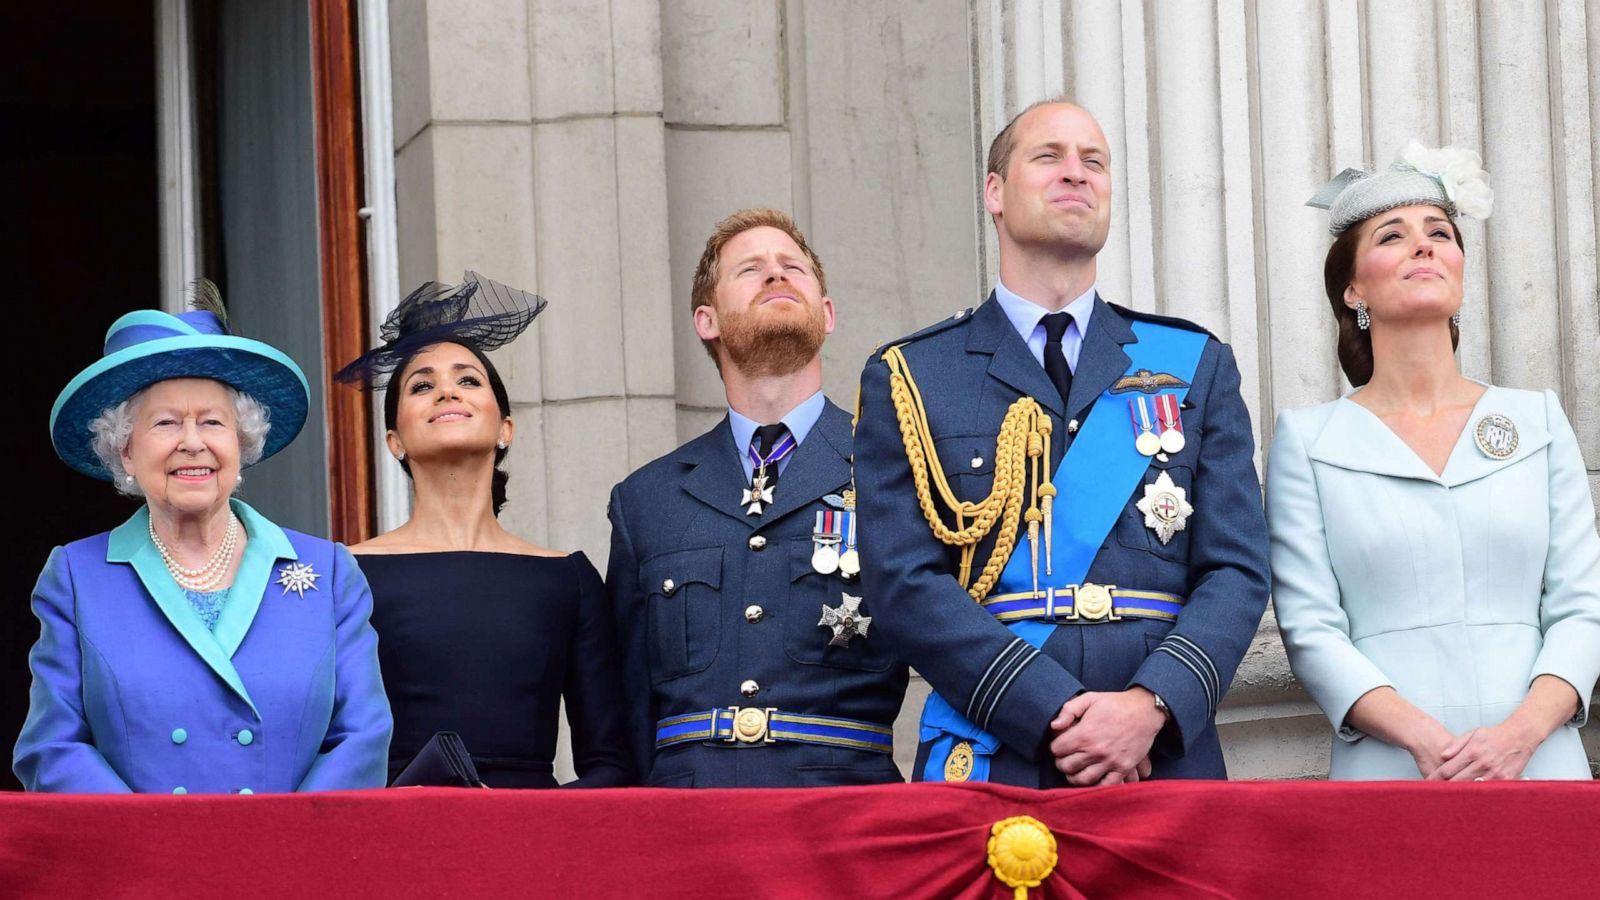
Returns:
(798, 420)
(1026, 314)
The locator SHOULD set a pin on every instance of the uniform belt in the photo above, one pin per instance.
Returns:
(1084, 604)
(766, 725)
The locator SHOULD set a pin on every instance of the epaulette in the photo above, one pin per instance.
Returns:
(1173, 321)
(961, 317)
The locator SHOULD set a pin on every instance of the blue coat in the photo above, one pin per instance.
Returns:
(970, 369)
(131, 692)
(687, 564)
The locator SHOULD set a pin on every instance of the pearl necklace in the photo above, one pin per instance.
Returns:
(208, 577)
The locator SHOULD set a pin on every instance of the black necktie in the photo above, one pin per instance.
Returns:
(767, 438)
(1055, 359)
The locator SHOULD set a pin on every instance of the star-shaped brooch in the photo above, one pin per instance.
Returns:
(297, 577)
(845, 620)
(1166, 508)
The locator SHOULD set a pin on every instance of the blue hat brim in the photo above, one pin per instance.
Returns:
(249, 366)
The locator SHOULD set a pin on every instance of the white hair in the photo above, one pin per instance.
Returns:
(114, 426)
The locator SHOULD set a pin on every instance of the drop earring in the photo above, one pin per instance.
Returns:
(1455, 318)
(1363, 319)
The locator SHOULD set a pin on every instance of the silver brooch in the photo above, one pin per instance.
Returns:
(845, 620)
(297, 577)
(1496, 436)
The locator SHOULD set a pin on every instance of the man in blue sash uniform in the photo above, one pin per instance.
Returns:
(750, 651)
(1061, 522)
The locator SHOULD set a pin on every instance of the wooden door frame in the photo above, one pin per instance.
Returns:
(337, 93)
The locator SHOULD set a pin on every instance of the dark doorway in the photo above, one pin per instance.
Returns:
(82, 233)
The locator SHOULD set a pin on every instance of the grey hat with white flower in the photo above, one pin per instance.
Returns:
(1450, 178)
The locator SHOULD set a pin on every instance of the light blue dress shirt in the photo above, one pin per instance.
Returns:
(1027, 317)
(799, 421)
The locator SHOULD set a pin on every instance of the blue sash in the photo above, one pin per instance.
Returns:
(1096, 476)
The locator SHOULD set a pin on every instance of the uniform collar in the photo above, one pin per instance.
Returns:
(1025, 314)
(799, 421)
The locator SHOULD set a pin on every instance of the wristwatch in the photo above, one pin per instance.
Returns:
(1161, 704)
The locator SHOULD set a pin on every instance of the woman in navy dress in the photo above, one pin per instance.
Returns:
(480, 632)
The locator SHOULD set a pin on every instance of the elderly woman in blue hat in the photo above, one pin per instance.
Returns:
(197, 647)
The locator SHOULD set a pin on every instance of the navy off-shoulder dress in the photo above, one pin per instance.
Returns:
(487, 645)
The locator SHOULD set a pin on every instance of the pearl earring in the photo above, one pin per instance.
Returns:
(1455, 318)
(400, 457)
(127, 479)
(1363, 319)
(502, 445)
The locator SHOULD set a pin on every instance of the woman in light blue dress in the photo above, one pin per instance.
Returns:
(1436, 570)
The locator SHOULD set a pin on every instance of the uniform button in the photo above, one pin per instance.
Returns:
(246, 791)
(246, 738)
(668, 585)
(749, 688)
(753, 614)
(180, 790)
(758, 543)
(179, 735)
(1072, 427)
(977, 462)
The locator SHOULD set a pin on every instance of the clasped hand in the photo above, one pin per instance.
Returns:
(1105, 737)
(1492, 753)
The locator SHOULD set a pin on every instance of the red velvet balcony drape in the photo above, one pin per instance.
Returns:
(1300, 840)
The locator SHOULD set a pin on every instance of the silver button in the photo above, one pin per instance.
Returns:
(757, 542)
(668, 585)
(753, 614)
(749, 688)
(977, 462)
(1072, 427)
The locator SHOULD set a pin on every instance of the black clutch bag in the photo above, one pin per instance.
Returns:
(442, 762)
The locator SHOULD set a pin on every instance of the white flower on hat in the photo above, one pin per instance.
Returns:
(1459, 171)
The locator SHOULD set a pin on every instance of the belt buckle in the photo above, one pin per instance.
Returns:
(750, 725)
(1092, 603)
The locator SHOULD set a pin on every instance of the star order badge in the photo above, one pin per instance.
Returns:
(1166, 508)
(845, 620)
(297, 577)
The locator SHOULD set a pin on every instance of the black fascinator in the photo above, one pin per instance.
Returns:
(479, 312)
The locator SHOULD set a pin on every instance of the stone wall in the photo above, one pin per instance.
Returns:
(584, 150)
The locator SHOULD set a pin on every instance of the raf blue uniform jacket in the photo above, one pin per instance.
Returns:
(131, 692)
(686, 565)
(970, 369)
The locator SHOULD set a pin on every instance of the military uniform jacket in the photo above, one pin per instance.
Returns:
(708, 598)
(970, 369)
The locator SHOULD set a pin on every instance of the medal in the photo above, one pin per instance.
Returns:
(1145, 440)
(850, 560)
(825, 540)
(1496, 436)
(758, 495)
(1166, 508)
(958, 765)
(846, 620)
(1167, 413)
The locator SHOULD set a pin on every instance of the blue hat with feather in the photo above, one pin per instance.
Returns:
(147, 346)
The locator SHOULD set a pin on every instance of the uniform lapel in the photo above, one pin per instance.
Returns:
(819, 466)
(717, 475)
(130, 543)
(1101, 359)
(1010, 359)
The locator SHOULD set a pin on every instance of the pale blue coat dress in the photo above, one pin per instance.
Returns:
(1457, 590)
